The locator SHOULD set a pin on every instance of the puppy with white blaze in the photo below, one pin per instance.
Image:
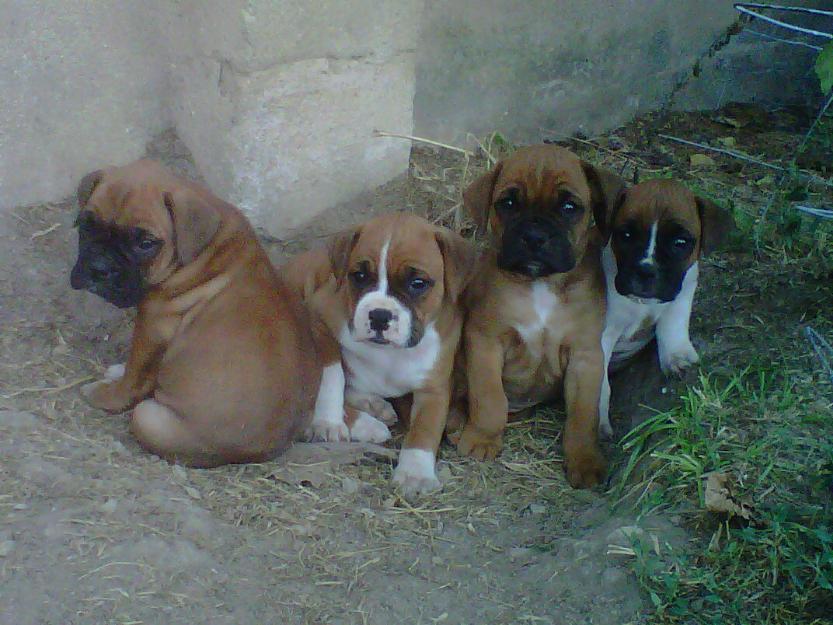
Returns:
(658, 231)
(388, 293)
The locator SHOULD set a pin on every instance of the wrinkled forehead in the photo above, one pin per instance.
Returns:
(119, 203)
(650, 204)
(405, 244)
(542, 173)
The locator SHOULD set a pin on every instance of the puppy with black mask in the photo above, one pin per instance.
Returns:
(658, 231)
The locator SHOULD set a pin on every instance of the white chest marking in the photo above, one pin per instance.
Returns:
(387, 370)
(543, 302)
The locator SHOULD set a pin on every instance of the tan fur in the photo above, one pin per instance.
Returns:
(502, 366)
(221, 359)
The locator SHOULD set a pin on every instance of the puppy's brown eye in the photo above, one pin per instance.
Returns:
(417, 286)
(360, 278)
(146, 244)
(570, 208)
(682, 243)
(624, 235)
(506, 203)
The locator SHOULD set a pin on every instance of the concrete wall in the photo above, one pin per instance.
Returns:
(533, 68)
(80, 85)
(277, 99)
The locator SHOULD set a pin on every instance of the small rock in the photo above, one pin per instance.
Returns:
(109, 506)
(624, 536)
(18, 420)
(701, 160)
(20, 506)
(7, 547)
(519, 553)
(349, 485)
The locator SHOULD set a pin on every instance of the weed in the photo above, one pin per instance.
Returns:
(759, 428)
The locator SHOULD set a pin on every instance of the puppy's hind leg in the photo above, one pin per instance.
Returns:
(163, 432)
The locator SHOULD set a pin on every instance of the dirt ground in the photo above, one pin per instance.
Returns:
(94, 530)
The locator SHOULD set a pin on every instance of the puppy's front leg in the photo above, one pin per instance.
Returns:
(609, 338)
(117, 394)
(673, 342)
(482, 437)
(416, 472)
(583, 461)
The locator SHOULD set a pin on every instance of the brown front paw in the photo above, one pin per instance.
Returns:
(478, 444)
(106, 395)
(585, 467)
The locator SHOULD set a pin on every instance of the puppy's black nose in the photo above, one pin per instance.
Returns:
(379, 319)
(100, 270)
(534, 237)
(646, 272)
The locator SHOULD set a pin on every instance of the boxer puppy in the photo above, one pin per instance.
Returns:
(389, 291)
(658, 230)
(536, 308)
(221, 368)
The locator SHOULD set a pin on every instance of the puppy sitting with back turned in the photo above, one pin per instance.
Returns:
(221, 366)
(658, 231)
(536, 307)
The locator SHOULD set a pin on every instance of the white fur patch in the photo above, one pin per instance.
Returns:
(650, 252)
(114, 372)
(543, 303)
(328, 418)
(368, 429)
(387, 370)
(415, 473)
(398, 331)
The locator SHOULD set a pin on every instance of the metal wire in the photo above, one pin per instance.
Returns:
(746, 9)
(823, 349)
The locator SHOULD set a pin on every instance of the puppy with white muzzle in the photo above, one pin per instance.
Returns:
(388, 292)
(658, 231)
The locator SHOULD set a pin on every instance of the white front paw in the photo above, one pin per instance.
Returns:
(415, 474)
(327, 430)
(674, 360)
(114, 372)
(368, 429)
(605, 429)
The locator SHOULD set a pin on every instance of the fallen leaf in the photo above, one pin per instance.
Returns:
(727, 142)
(728, 121)
(719, 497)
(701, 160)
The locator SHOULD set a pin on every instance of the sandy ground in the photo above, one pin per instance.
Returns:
(94, 530)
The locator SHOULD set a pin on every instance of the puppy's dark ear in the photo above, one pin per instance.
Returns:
(607, 193)
(477, 198)
(459, 262)
(340, 248)
(195, 220)
(87, 186)
(715, 222)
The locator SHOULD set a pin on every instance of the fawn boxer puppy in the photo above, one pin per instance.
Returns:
(536, 308)
(389, 291)
(221, 368)
(658, 230)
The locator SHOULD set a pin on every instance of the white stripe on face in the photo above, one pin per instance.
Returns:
(649, 259)
(382, 287)
(398, 330)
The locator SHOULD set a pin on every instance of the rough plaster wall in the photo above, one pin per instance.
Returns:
(81, 86)
(278, 102)
(533, 68)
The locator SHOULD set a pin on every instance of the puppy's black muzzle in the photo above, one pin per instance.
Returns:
(536, 248)
(647, 282)
(106, 273)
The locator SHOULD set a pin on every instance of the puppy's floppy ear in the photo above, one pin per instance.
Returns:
(195, 222)
(459, 262)
(477, 198)
(715, 224)
(87, 186)
(340, 248)
(607, 193)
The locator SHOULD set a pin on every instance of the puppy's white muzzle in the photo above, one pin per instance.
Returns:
(381, 318)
